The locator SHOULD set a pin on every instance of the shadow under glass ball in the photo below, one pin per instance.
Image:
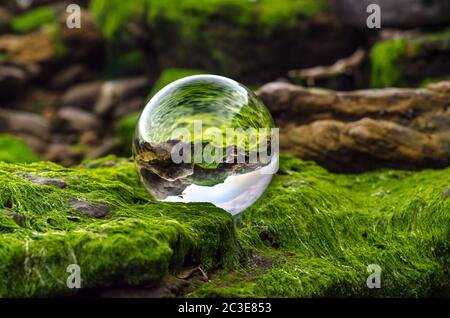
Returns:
(206, 138)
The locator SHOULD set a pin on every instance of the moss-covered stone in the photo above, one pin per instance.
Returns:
(137, 243)
(313, 233)
(14, 150)
(409, 60)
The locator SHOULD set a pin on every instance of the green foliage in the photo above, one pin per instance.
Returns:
(34, 19)
(14, 150)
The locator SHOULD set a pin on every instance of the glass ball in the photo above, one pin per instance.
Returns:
(206, 138)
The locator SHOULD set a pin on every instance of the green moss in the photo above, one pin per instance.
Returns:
(125, 131)
(319, 231)
(433, 80)
(138, 243)
(14, 150)
(385, 58)
(190, 15)
(313, 233)
(390, 58)
(34, 19)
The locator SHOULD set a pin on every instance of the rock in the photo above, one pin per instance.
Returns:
(61, 153)
(35, 47)
(446, 193)
(14, 78)
(107, 147)
(45, 181)
(5, 19)
(95, 210)
(399, 13)
(343, 74)
(83, 95)
(74, 119)
(301, 105)
(114, 92)
(24, 122)
(18, 218)
(363, 145)
(68, 76)
(128, 107)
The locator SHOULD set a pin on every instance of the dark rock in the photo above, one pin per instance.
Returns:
(95, 210)
(14, 78)
(74, 119)
(128, 107)
(83, 96)
(68, 76)
(18, 218)
(446, 193)
(399, 13)
(45, 181)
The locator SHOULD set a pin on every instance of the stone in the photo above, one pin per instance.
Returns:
(74, 119)
(83, 95)
(364, 145)
(24, 122)
(113, 92)
(45, 181)
(95, 210)
(15, 77)
(292, 103)
(68, 76)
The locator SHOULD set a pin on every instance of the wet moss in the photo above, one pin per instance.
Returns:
(320, 231)
(138, 243)
(313, 233)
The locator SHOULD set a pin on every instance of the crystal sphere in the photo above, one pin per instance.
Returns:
(206, 138)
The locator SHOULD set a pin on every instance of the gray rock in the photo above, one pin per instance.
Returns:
(83, 96)
(446, 193)
(95, 210)
(398, 13)
(18, 218)
(78, 120)
(45, 181)
(113, 92)
(24, 122)
(107, 147)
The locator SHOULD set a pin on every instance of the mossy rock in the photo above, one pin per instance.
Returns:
(14, 150)
(313, 233)
(410, 60)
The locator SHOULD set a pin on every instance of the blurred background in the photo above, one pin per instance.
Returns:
(70, 94)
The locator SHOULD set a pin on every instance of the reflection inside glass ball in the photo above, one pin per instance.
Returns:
(206, 138)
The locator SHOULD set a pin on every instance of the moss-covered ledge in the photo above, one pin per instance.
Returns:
(44, 228)
(313, 233)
